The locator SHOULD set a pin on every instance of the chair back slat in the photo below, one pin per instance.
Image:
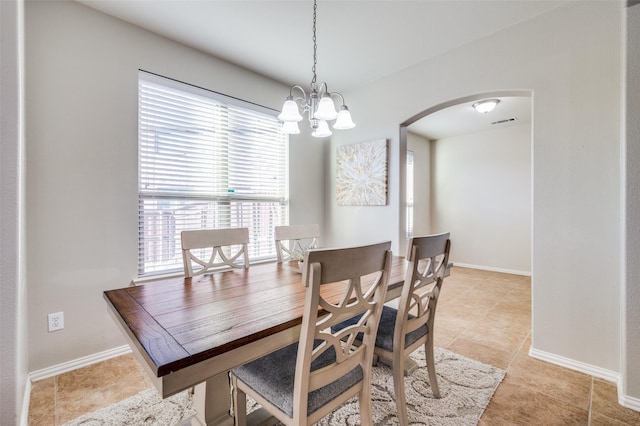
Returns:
(354, 262)
(227, 246)
(294, 240)
(428, 260)
(203, 238)
(430, 255)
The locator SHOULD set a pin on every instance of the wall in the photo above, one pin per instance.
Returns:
(308, 159)
(81, 117)
(482, 196)
(570, 58)
(631, 292)
(422, 183)
(81, 165)
(13, 355)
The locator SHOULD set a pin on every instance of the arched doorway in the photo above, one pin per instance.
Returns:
(476, 175)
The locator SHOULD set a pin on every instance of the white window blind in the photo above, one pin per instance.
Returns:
(205, 161)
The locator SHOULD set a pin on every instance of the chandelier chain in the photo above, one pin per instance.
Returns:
(315, 45)
(318, 103)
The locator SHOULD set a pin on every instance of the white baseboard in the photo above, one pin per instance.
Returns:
(489, 268)
(628, 401)
(54, 370)
(26, 398)
(592, 370)
(78, 363)
(608, 375)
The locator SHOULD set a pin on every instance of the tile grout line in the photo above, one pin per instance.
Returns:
(517, 351)
(526, 337)
(56, 416)
(589, 419)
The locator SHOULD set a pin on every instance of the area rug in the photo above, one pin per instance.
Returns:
(143, 409)
(466, 387)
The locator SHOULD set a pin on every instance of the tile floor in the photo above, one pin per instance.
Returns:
(482, 315)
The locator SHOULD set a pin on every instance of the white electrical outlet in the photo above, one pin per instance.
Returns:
(56, 321)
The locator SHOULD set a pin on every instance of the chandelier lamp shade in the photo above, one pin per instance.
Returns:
(486, 105)
(318, 104)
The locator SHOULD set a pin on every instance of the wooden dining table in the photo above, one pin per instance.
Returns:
(189, 332)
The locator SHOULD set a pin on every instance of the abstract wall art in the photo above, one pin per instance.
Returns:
(361, 172)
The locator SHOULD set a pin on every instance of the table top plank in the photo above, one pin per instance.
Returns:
(159, 347)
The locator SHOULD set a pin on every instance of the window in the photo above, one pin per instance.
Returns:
(409, 194)
(205, 161)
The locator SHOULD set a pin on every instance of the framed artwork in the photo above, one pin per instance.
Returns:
(361, 173)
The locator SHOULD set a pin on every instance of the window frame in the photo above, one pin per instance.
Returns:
(254, 202)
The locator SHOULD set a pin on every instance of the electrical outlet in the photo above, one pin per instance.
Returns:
(56, 321)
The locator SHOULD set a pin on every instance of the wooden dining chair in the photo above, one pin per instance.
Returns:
(411, 326)
(402, 331)
(198, 245)
(293, 240)
(301, 383)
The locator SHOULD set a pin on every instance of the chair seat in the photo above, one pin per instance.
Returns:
(384, 338)
(272, 376)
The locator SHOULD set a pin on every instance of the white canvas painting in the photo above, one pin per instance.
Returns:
(361, 171)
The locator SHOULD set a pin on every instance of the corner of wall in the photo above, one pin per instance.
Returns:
(13, 365)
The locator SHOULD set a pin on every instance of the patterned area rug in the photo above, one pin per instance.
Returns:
(466, 387)
(145, 408)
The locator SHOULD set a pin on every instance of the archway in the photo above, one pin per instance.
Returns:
(487, 174)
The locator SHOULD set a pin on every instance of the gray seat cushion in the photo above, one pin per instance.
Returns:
(272, 377)
(384, 338)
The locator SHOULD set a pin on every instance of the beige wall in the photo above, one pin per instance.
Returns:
(631, 292)
(570, 59)
(81, 155)
(482, 196)
(13, 318)
(421, 148)
(81, 164)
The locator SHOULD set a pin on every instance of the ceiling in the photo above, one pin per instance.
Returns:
(463, 118)
(358, 42)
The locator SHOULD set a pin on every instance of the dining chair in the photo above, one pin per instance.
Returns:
(404, 330)
(411, 326)
(301, 383)
(293, 240)
(196, 245)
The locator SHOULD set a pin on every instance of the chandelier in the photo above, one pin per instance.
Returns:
(318, 104)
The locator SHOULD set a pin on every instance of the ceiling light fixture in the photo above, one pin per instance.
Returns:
(486, 106)
(318, 104)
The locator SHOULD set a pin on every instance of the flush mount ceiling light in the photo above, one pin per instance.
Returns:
(487, 105)
(318, 104)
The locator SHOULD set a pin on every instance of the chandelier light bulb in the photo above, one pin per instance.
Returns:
(322, 131)
(290, 111)
(326, 109)
(290, 127)
(344, 121)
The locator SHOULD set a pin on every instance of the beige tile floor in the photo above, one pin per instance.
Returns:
(482, 315)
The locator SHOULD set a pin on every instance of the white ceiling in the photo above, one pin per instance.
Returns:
(463, 118)
(358, 41)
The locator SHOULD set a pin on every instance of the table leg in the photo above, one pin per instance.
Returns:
(212, 401)
(409, 365)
